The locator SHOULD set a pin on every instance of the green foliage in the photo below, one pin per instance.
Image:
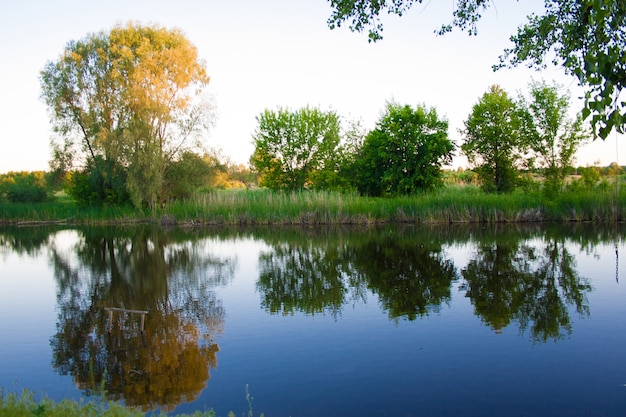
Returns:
(365, 14)
(293, 149)
(467, 204)
(460, 177)
(23, 187)
(492, 140)
(60, 165)
(404, 153)
(589, 178)
(146, 169)
(25, 405)
(584, 37)
(341, 167)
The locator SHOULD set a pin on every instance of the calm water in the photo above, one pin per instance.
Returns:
(398, 321)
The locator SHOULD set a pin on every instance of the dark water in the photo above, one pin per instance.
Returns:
(397, 321)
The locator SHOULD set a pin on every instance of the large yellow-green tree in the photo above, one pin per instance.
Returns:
(125, 104)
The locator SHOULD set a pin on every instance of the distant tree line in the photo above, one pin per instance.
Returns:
(405, 152)
(24, 187)
(192, 174)
(129, 111)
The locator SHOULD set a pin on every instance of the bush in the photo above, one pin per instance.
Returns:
(23, 187)
(100, 183)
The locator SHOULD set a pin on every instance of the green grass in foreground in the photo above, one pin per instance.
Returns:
(25, 405)
(263, 207)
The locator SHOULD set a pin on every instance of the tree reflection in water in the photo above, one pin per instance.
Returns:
(513, 281)
(509, 278)
(411, 277)
(296, 276)
(149, 270)
(320, 273)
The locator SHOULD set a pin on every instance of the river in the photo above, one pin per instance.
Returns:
(455, 320)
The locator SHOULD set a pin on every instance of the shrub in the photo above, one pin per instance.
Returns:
(23, 187)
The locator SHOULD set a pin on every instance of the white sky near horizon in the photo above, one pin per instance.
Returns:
(278, 53)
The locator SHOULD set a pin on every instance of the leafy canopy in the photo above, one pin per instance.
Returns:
(585, 37)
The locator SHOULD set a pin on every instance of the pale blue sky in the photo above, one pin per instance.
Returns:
(266, 54)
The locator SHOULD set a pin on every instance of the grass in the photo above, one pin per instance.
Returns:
(453, 204)
(25, 405)
(64, 210)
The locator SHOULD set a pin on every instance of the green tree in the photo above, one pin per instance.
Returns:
(125, 103)
(492, 140)
(292, 147)
(552, 136)
(404, 152)
(585, 37)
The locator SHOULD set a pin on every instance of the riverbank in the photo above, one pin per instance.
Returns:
(261, 207)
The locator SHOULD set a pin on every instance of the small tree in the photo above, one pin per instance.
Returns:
(492, 140)
(404, 153)
(551, 135)
(292, 147)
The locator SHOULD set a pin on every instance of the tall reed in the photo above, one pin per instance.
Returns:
(449, 205)
(67, 212)
(453, 204)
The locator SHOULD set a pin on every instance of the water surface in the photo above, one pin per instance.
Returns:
(414, 321)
